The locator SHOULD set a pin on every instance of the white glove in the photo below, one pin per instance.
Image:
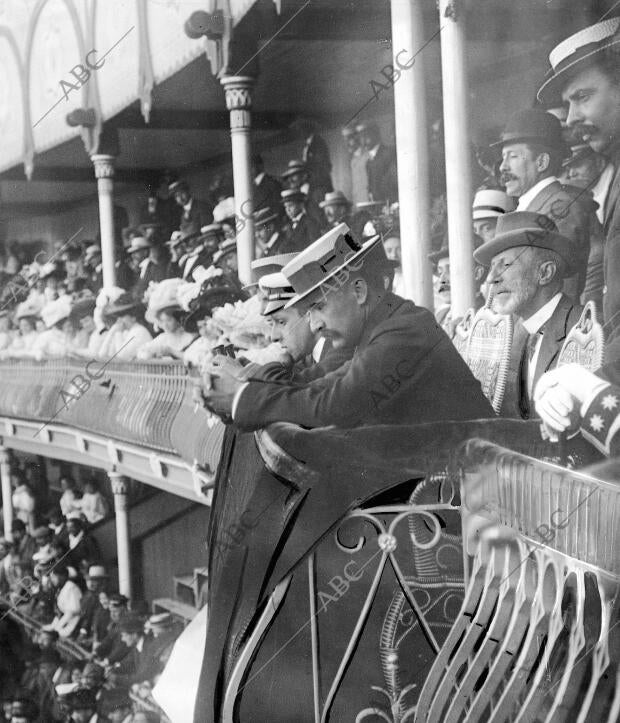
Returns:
(560, 395)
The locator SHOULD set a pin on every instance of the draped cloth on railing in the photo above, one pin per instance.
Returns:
(142, 403)
(306, 627)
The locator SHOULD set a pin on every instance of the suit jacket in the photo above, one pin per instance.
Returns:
(154, 272)
(200, 214)
(267, 194)
(203, 258)
(382, 181)
(611, 257)
(279, 245)
(307, 369)
(319, 166)
(305, 232)
(573, 210)
(404, 370)
(516, 402)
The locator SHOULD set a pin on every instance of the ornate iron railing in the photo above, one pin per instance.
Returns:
(147, 404)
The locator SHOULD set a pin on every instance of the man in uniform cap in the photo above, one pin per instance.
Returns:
(532, 150)
(304, 230)
(195, 213)
(585, 75)
(528, 260)
(404, 368)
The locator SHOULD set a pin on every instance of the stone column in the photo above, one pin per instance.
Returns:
(239, 103)
(119, 488)
(412, 149)
(104, 171)
(7, 492)
(458, 171)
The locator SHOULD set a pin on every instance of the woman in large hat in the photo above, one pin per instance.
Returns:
(26, 316)
(57, 339)
(164, 312)
(127, 333)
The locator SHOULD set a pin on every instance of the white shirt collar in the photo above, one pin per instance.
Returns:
(529, 196)
(258, 179)
(188, 205)
(318, 349)
(542, 316)
(373, 152)
(274, 237)
(601, 189)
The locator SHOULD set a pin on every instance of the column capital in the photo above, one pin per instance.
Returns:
(238, 90)
(118, 482)
(104, 165)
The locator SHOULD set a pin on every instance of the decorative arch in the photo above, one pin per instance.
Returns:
(28, 144)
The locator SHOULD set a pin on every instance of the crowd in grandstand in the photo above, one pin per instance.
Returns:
(322, 338)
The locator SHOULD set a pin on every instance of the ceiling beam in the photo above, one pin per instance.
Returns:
(173, 119)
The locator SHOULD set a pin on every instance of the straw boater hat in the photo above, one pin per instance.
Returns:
(56, 311)
(524, 228)
(97, 572)
(277, 291)
(292, 194)
(335, 198)
(211, 232)
(321, 261)
(576, 53)
(294, 166)
(264, 216)
(491, 203)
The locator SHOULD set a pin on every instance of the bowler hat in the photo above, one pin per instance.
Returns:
(294, 166)
(575, 53)
(316, 265)
(292, 194)
(524, 228)
(533, 125)
(131, 624)
(335, 198)
(264, 216)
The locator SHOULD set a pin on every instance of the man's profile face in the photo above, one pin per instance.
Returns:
(513, 277)
(392, 249)
(583, 173)
(442, 284)
(262, 234)
(335, 213)
(292, 330)
(594, 107)
(485, 228)
(518, 168)
(338, 316)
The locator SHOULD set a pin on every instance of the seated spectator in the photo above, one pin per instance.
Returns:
(338, 209)
(24, 546)
(43, 538)
(24, 504)
(391, 244)
(6, 335)
(201, 249)
(26, 316)
(177, 246)
(304, 230)
(111, 647)
(268, 236)
(87, 339)
(83, 547)
(93, 266)
(132, 634)
(488, 206)
(226, 258)
(57, 340)
(195, 212)
(127, 334)
(148, 263)
(58, 525)
(165, 312)
(50, 274)
(70, 498)
(67, 597)
(93, 504)
(96, 580)
(528, 262)
(532, 150)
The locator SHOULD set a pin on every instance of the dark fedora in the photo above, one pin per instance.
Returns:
(524, 228)
(533, 125)
(264, 216)
(576, 53)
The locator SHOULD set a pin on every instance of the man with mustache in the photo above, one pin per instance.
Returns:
(532, 152)
(528, 260)
(586, 77)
